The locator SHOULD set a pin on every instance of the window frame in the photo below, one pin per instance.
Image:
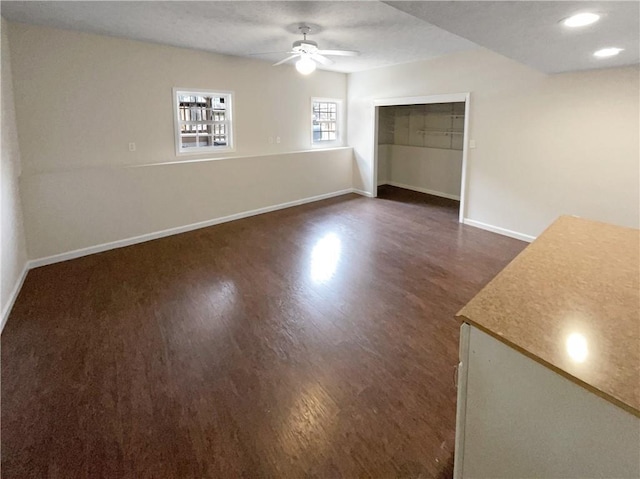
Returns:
(339, 141)
(177, 123)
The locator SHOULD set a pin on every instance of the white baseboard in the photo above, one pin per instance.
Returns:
(423, 190)
(57, 258)
(497, 229)
(467, 221)
(13, 296)
(203, 224)
(362, 192)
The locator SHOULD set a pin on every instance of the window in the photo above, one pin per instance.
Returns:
(203, 121)
(325, 122)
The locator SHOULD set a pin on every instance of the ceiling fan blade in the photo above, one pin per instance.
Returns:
(269, 53)
(321, 59)
(342, 53)
(286, 59)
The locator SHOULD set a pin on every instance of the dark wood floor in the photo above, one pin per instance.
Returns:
(316, 341)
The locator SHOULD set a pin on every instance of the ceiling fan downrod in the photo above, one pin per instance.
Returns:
(305, 30)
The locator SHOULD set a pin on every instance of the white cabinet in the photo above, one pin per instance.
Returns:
(517, 418)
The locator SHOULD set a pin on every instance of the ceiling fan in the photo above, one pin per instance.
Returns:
(308, 53)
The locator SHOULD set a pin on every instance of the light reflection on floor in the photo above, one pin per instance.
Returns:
(325, 257)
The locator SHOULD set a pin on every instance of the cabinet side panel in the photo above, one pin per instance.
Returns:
(461, 404)
(524, 420)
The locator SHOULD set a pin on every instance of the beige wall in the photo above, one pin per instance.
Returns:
(83, 207)
(384, 163)
(430, 170)
(546, 145)
(13, 252)
(83, 98)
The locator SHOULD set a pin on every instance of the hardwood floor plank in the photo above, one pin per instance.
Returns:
(316, 341)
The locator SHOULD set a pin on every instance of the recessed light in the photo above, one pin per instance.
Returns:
(581, 19)
(607, 52)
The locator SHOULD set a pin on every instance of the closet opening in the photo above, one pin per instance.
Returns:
(420, 150)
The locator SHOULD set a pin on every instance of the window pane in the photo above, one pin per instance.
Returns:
(189, 141)
(205, 140)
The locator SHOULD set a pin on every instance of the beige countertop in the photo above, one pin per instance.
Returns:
(571, 301)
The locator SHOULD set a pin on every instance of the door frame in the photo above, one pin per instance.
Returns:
(420, 100)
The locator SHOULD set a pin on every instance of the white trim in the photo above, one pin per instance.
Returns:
(362, 192)
(418, 100)
(424, 190)
(230, 147)
(239, 157)
(497, 229)
(374, 169)
(465, 155)
(182, 162)
(180, 229)
(14, 295)
(340, 122)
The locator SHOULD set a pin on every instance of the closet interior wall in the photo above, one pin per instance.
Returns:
(420, 147)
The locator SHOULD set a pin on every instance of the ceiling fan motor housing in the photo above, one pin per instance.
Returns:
(305, 46)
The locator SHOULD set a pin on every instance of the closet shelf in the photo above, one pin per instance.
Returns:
(456, 148)
(448, 115)
(444, 132)
(420, 125)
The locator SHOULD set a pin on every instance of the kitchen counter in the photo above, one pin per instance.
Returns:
(571, 301)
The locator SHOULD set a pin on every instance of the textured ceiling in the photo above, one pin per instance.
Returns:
(383, 34)
(530, 32)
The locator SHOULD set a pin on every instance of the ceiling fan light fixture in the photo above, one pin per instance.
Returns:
(581, 19)
(305, 65)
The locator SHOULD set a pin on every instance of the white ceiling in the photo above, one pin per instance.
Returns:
(385, 33)
(382, 34)
(530, 31)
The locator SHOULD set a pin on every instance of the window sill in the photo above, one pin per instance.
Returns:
(104, 166)
(240, 157)
(205, 151)
(326, 146)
